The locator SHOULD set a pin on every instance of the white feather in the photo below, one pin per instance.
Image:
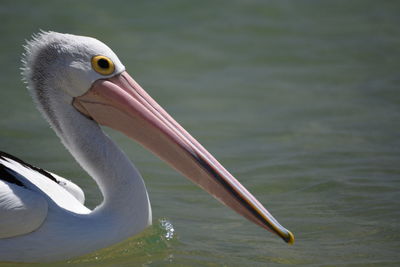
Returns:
(21, 210)
(71, 187)
(49, 189)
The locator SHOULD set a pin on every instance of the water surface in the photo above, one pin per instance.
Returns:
(298, 99)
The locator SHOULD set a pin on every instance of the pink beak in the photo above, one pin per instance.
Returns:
(122, 104)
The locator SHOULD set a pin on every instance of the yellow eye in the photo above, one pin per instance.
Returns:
(103, 65)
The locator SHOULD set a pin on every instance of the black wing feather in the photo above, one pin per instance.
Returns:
(8, 175)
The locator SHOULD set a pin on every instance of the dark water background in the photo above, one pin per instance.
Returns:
(299, 99)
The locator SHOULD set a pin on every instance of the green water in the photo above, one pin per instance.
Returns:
(298, 99)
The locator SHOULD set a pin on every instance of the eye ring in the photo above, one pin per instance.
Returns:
(103, 65)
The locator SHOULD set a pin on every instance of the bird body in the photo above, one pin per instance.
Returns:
(69, 229)
(78, 84)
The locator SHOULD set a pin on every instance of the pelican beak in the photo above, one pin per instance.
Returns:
(121, 103)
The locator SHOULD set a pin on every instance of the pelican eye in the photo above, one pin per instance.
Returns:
(103, 65)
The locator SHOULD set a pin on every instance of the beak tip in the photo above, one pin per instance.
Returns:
(290, 238)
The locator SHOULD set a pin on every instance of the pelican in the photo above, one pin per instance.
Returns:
(78, 83)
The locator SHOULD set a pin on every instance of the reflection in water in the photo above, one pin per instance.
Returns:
(152, 245)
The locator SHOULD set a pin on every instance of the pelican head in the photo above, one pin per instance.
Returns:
(80, 77)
